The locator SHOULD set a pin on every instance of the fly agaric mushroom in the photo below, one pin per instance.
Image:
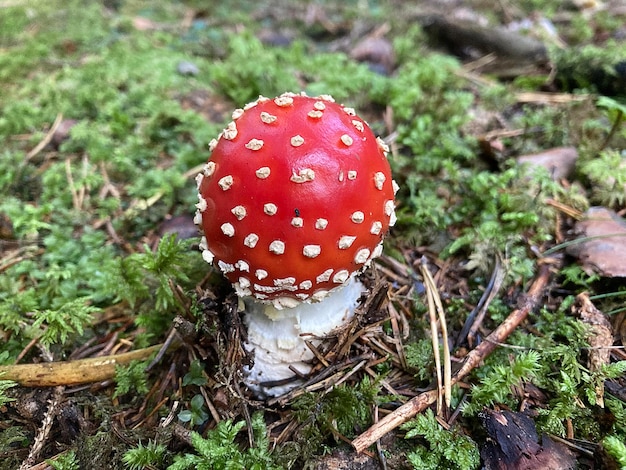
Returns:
(294, 202)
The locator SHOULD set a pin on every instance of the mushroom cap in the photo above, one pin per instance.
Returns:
(295, 199)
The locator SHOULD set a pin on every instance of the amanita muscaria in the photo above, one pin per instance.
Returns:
(294, 203)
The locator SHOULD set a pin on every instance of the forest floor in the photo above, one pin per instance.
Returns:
(492, 335)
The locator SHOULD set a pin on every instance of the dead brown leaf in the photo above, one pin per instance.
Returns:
(559, 161)
(599, 336)
(6, 227)
(376, 51)
(602, 247)
(513, 444)
(619, 326)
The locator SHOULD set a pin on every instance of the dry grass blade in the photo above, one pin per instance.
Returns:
(475, 318)
(434, 334)
(436, 312)
(328, 377)
(548, 98)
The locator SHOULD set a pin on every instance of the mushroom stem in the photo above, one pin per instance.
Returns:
(278, 337)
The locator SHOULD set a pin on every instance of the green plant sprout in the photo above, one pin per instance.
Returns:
(197, 413)
(196, 375)
(143, 456)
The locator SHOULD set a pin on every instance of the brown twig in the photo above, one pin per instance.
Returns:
(47, 138)
(474, 358)
(48, 420)
(82, 371)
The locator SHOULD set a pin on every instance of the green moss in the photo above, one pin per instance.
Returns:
(616, 448)
(131, 377)
(219, 450)
(66, 461)
(4, 386)
(439, 448)
(137, 132)
(496, 386)
(607, 176)
(591, 68)
(142, 456)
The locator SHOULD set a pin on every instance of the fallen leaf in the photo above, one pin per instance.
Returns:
(512, 52)
(376, 51)
(6, 227)
(601, 247)
(181, 225)
(62, 132)
(513, 444)
(619, 326)
(559, 161)
(599, 336)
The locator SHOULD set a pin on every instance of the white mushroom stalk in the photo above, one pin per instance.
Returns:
(294, 203)
(278, 338)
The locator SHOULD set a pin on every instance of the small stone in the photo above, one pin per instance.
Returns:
(187, 68)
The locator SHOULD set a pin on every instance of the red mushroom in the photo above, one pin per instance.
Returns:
(294, 202)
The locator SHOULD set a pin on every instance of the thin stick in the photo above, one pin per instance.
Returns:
(46, 426)
(82, 371)
(47, 138)
(473, 359)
